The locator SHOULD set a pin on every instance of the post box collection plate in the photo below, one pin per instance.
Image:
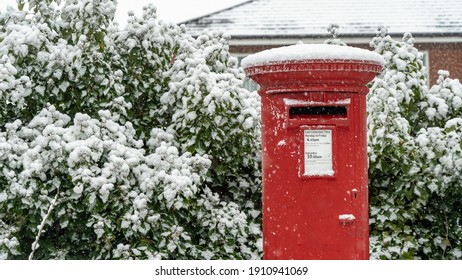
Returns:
(318, 158)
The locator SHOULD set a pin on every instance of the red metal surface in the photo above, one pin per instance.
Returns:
(314, 216)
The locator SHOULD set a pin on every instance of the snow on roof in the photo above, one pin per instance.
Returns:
(282, 18)
(311, 52)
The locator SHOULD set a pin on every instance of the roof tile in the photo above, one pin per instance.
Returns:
(261, 18)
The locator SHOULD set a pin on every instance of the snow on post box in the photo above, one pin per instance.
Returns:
(315, 200)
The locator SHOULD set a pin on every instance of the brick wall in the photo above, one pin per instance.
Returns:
(446, 56)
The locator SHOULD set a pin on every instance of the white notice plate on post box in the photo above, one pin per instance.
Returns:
(318, 152)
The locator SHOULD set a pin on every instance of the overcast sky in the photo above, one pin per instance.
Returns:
(169, 10)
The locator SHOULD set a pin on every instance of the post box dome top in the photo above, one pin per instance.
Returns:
(304, 52)
(311, 67)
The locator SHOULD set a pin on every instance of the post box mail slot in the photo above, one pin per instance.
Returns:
(318, 111)
(330, 110)
(314, 150)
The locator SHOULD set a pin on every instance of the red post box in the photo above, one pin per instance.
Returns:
(315, 197)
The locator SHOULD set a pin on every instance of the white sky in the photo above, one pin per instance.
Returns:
(169, 10)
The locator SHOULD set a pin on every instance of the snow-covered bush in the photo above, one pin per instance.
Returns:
(415, 157)
(123, 143)
(212, 113)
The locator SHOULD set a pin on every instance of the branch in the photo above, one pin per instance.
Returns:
(37, 237)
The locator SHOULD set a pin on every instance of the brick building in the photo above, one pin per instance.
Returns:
(256, 25)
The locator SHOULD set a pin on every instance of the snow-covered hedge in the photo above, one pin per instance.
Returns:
(415, 157)
(123, 143)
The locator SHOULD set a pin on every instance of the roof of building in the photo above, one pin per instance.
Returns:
(310, 18)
